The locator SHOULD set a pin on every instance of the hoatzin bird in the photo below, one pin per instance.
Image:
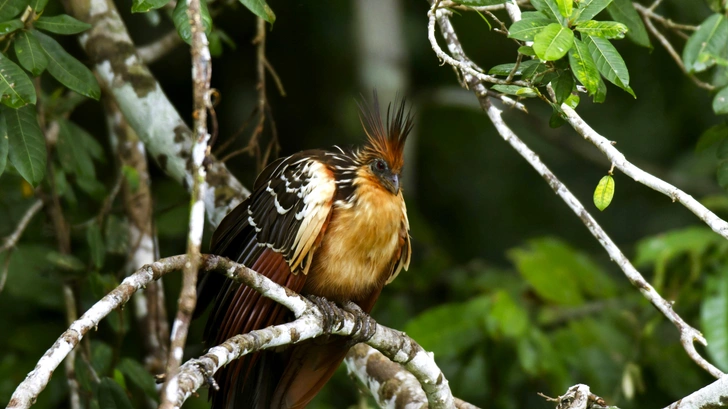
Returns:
(324, 223)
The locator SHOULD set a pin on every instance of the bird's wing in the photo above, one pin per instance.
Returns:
(275, 232)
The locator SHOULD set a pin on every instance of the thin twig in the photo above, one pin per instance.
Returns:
(10, 241)
(153, 52)
(201, 74)
(646, 17)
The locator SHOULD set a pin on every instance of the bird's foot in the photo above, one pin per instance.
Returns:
(331, 312)
(364, 324)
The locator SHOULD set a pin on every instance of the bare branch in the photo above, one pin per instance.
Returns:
(151, 53)
(11, 240)
(688, 334)
(394, 344)
(201, 75)
(714, 395)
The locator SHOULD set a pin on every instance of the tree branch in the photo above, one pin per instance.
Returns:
(688, 334)
(394, 344)
(201, 74)
(11, 240)
(152, 52)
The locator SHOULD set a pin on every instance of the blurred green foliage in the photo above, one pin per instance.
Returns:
(507, 287)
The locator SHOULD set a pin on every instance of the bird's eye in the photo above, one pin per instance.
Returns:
(380, 165)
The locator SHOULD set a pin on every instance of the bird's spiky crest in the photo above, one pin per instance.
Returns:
(387, 143)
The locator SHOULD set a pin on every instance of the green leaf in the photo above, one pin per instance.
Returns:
(96, 243)
(722, 174)
(135, 373)
(584, 68)
(3, 144)
(142, 6)
(27, 146)
(477, 3)
(450, 329)
(666, 246)
(558, 273)
(11, 8)
(61, 24)
(8, 27)
(708, 41)
(563, 85)
(72, 152)
(711, 136)
(720, 102)
(605, 29)
(68, 70)
(66, 262)
(566, 7)
(553, 42)
(260, 8)
(38, 5)
(526, 30)
(609, 63)
(624, 12)
(507, 317)
(588, 9)
(111, 395)
(604, 192)
(182, 20)
(550, 8)
(526, 50)
(16, 87)
(505, 69)
(30, 53)
(516, 90)
(572, 101)
(714, 319)
(116, 235)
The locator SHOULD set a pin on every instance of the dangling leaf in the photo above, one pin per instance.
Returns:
(604, 192)
(609, 63)
(261, 9)
(708, 42)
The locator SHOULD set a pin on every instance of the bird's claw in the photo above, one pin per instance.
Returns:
(330, 311)
(364, 324)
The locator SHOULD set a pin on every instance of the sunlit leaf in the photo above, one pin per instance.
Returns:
(142, 6)
(526, 30)
(553, 42)
(588, 9)
(261, 9)
(516, 90)
(27, 149)
(720, 102)
(61, 24)
(714, 319)
(16, 87)
(550, 8)
(68, 70)
(30, 53)
(707, 41)
(506, 317)
(604, 192)
(182, 20)
(609, 63)
(566, 7)
(584, 68)
(605, 29)
(624, 12)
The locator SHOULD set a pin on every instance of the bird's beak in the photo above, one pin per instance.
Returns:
(393, 183)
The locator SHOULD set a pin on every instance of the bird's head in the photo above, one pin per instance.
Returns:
(383, 155)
